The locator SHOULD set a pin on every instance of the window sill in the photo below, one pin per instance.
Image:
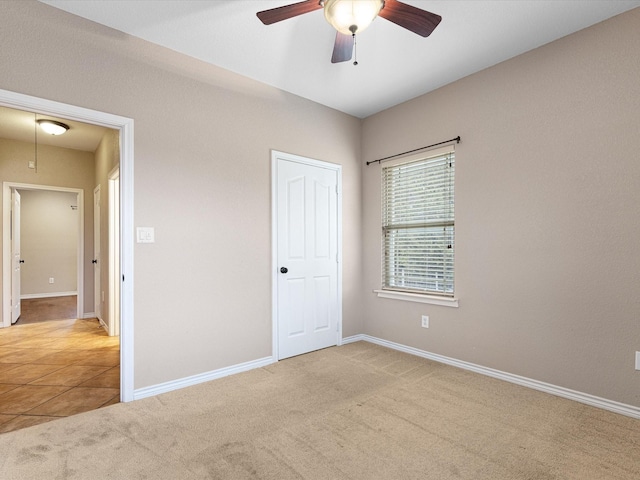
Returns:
(418, 297)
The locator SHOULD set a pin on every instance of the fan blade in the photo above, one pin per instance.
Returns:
(343, 48)
(288, 11)
(411, 18)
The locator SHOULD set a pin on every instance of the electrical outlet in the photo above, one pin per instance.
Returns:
(51, 280)
(637, 360)
(425, 321)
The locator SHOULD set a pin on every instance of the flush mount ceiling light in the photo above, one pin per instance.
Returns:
(53, 127)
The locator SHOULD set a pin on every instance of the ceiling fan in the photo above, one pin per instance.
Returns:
(349, 17)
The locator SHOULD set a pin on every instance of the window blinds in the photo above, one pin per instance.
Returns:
(418, 225)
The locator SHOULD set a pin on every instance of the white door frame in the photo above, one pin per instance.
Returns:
(114, 251)
(97, 255)
(7, 188)
(125, 127)
(16, 261)
(275, 156)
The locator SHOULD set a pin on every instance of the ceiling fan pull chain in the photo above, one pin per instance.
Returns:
(355, 50)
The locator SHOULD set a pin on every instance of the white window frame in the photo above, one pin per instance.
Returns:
(443, 298)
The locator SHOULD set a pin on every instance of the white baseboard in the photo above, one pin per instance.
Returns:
(89, 315)
(200, 378)
(103, 325)
(28, 296)
(588, 399)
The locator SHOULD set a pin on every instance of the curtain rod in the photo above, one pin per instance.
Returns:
(457, 140)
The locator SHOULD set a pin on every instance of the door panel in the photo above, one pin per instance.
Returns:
(295, 293)
(295, 218)
(322, 218)
(307, 247)
(321, 310)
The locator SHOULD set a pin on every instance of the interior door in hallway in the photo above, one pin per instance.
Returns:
(307, 257)
(15, 256)
(97, 261)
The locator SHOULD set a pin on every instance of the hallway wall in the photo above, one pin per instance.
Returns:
(48, 242)
(57, 167)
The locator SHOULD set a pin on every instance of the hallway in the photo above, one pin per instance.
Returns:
(55, 368)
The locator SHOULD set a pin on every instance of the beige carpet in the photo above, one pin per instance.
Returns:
(354, 412)
(35, 310)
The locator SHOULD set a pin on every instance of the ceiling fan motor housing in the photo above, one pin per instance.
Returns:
(351, 16)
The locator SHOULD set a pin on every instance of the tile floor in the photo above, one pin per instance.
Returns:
(54, 369)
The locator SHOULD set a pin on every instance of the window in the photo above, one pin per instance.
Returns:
(418, 225)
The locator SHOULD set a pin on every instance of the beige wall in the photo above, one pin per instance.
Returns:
(48, 242)
(547, 195)
(547, 208)
(202, 292)
(57, 167)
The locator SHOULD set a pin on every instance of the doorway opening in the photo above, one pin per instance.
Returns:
(124, 127)
(46, 226)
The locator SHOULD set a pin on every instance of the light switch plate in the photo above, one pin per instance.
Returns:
(145, 235)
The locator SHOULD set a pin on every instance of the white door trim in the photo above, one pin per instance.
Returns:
(16, 233)
(114, 251)
(125, 126)
(97, 255)
(275, 156)
(7, 187)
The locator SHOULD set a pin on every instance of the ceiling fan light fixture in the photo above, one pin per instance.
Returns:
(351, 16)
(53, 127)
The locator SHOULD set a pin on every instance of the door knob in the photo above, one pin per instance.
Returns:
(21, 261)
(94, 261)
(284, 270)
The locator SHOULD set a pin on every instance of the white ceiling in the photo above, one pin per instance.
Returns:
(395, 65)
